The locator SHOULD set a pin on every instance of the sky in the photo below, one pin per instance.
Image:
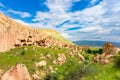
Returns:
(74, 19)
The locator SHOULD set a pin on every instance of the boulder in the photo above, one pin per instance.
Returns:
(104, 61)
(60, 60)
(48, 56)
(108, 48)
(36, 77)
(51, 69)
(41, 63)
(81, 57)
(17, 72)
(108, 52)
(96, 58)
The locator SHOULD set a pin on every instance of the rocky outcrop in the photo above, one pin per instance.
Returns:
(108, 51)
(81, 57)
(108, 48)
(36, 77)
(60, 60)
(13, 34)
(96, 58)
(41, 63)
(17, 72)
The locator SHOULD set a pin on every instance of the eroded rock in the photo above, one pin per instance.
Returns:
(108, 52)
(96, 58)
(17, 72)
(108, 48)
(41, 63)
(81, 57)
(36, 77)
(60, 60)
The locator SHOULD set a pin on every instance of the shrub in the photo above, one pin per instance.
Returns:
(81, 72)
(117, 62)
(98, 51)
(51, 76)
(89, 51)
(22, 53)
(119, 52)
(74, 75)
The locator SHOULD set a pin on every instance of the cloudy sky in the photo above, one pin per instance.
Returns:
(74, 19)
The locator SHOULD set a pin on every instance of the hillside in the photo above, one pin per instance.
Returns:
(28, 53)
(54, 34)
(13, 34)
(58, 64)
(95, 43)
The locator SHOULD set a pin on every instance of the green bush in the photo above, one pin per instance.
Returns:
(51, 76)
(22, 53)
(81, 72)
(117, 61)
(119, 52)
(89, 51)
(97, 51)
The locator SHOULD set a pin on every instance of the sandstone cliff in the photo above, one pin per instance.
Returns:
(13, 34)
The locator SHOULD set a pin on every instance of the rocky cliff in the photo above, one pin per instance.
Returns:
(13, 34)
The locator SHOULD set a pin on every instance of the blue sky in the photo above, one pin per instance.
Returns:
(74, 19)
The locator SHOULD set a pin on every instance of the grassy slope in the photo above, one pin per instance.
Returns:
(55, 35)
(104, 72)
(35, 54)
(30, 56)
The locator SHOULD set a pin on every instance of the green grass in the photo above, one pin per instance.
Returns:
(105, 72)
(35, 54)
(55, 35)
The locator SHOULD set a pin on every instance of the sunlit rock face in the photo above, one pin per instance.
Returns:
(9, 32)
(108, 51)
(7, 38)
(14, 34)
(108, 48)
(17, 72)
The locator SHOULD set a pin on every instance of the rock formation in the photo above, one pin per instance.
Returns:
(17, 72)
(60, 60)
(41, 63)
(108, 51)
(36, 77)
(108, 48)
(13, 34)
(81, 57)
(96, 58)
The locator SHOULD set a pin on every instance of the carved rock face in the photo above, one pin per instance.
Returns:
(17, 72)
(13, 34)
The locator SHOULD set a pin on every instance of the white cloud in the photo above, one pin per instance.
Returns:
(93, 2)
(98, 16)
(100, 22)
(66, 35)
(21, 14)
(20, 21)
(116, 7)
(1, 5)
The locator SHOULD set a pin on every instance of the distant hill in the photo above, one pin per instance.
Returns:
(95, 43)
